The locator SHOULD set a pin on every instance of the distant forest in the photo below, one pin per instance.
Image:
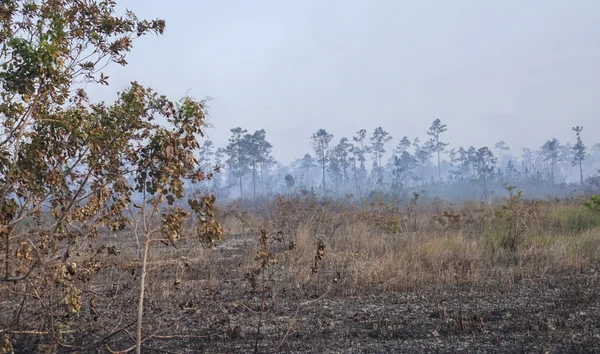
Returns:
(355, 167)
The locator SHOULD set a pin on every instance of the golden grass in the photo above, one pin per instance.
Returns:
(367, 254)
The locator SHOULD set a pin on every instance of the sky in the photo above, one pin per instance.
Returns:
(519, 71)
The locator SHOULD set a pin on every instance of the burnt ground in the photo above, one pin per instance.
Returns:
(564, 317)
(557, 313)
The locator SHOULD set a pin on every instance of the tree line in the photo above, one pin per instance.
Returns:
(358, 166)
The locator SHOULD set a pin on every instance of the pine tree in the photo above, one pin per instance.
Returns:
(550, 153)
(485, 166)
(437, 146)
(579, 152)
(378, 140)
(238, 160)
(320, 143)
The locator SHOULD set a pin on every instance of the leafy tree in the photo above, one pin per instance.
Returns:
(320, 144)
(378, 140)
(579, 151)
(550, 151)
(437, 146)
(74, 167)
(485, 166)
(237, 151)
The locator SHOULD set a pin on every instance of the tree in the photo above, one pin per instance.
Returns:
(335, 169)
(550, 153)
(238, 160)
(422, 154)
(320, 144)
(501, 145)
(485, 166)
(435, 131)
(258, 150)
(462, 163)
(289, 181)
(352, 157)
(579, 152)
(306, 164)
(359, 151)
(341, 152)
(403, 145)
(472, 161)
(205, 154)
(216, 181)
(378, 140)
(74, 167)
(511, 172)
(402, 167)
(265, 158)
(527, 160)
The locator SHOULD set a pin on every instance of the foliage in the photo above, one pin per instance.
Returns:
(402, 167)
(593, 203)
(579, 151)
(320, 144)
(550, 151)
(436, 145)
(75, 169)
(379, 139)
(511, 220)
(238, 159)
(484, 165)
(289, 181)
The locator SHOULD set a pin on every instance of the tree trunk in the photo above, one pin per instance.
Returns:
(324, 188)
(7, 255)
(439, 166)
(241, 190)
(356, 179)
(140, 315)
(484, 186)
(262, 180)
(254, 180)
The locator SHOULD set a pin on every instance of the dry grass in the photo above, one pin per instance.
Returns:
(388, 248)
(369, 249)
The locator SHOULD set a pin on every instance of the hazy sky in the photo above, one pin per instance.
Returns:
(518, 71)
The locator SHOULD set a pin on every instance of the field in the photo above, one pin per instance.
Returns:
(300, 274)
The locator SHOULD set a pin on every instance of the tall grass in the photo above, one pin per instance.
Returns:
(383, 247)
